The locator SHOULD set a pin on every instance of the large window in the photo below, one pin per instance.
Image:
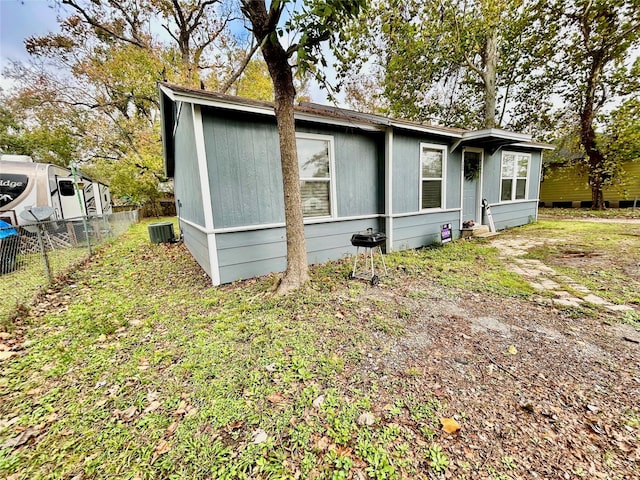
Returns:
(315, 153)
(515, 173)
(433, 159)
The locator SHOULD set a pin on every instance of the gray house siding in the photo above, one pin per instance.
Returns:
(375, 180)
(196, 242)
(419, 230)
(187, 176)
(508, 215)
(244, 169)
(259, 252)
(406, 173)
(246, 180)
(359, 170)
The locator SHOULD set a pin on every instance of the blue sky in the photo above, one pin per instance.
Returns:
(20, 19)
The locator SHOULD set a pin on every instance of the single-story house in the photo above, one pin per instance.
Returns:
(357, 171)
(567, 186)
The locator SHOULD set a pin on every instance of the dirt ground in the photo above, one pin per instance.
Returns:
(541, 390)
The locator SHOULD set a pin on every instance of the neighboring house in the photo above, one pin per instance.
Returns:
(357, 171)
(568, 186)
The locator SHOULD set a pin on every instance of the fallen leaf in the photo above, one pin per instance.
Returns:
(181, 410)
(367, 418)
(323, 443)
(153, 406)
(21, 439)
(512, 350)
(318, 401)
(449, 425)
(6, 355)
(259, 436)
(162, 447)
(127, 414)
(275, 397)
(171, 429)
(343, 451)
(235, 425)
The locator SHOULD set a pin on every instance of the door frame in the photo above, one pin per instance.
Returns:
(478, 214)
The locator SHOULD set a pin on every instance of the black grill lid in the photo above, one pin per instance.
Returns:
(369, 239)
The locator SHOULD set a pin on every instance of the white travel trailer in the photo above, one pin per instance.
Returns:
(25, 184)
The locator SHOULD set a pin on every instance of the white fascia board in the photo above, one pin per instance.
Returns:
(209, 102)
(533, 145)
(168, 92)
(496, 132)
(422, 129)
(260, 110)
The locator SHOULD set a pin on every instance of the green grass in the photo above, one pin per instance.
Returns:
(19, 287)
(468, 265)
(144, 347)
(601, 257)
(141, 370)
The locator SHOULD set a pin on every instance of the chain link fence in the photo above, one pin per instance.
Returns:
(32, 256)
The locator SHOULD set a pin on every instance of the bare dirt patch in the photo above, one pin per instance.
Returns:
(539, 391)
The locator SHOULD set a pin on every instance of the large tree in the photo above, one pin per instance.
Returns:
(456, 62)
(315, 22)
(593, 43)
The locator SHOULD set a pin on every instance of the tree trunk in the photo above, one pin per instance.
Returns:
(297, 272)
(275, 56)
(595, 158)
(490, 77)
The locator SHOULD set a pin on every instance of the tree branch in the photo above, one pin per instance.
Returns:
(91, 21)
(236, 74)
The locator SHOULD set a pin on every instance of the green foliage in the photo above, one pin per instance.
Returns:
(435, 60)
(438, 460)
(591, 45)
(622, 139)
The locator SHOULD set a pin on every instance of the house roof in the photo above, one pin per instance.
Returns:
(491, 139)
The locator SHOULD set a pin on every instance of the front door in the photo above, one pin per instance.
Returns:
(471, 185)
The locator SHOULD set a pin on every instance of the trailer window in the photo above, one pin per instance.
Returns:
(66, 188)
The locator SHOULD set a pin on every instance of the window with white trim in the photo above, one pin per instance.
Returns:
(433, 163)
(315, 161)
(515, 176)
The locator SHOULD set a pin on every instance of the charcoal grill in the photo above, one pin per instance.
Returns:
(371, 242)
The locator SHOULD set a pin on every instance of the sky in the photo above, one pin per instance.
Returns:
(21, 19)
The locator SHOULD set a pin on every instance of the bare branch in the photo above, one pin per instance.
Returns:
(236, 74)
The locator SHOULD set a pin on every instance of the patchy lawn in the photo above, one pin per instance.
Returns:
(587, 213)
(137, 369)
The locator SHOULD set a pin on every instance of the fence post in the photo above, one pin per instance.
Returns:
(83, 211)
(43, 252)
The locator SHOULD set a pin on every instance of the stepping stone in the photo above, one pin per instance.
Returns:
(596, 300)
(619, 308)
(550, 284)
(568, 302)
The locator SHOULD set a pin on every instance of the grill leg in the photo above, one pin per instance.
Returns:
(384, 264)
(355, 263)
(371, 258)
